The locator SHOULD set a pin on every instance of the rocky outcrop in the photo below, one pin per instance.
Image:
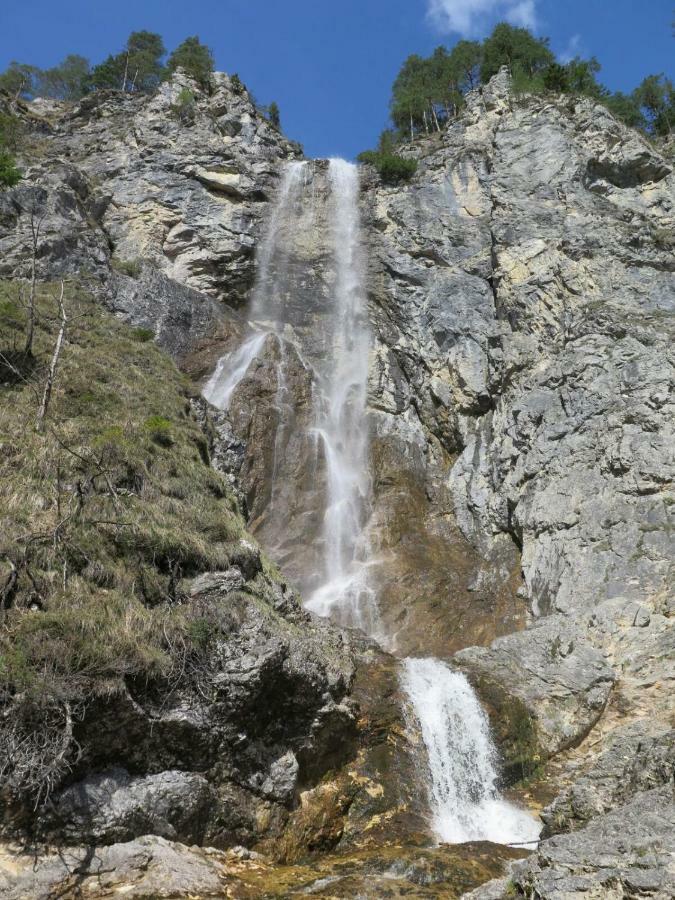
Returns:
(625, 853)
(523, 308)
(559, 678)
(157, 868)
(172, 201)
(639, 757)
(522, 298)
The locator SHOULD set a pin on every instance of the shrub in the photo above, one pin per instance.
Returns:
(184, 107)
(9, 174)
(142, 335)
(194, 58)
(130, 267)
(160, 430)
(392, 168)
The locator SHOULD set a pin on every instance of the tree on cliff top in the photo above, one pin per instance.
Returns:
(516, 48)
(69, 80)
(195, 58)
(138, 67)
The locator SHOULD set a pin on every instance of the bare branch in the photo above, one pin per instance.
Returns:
(49, 384)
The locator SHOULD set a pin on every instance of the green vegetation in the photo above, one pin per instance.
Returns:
(103, 514)
(429, 91)
(392, 168)
(274, 115)
(142, 335)
(195, 58)
(10, 134)
(185, 107)
(130, 267)
(137, 68)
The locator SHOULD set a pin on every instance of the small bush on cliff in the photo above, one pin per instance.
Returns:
(392, 168)
(10, 139)
(9, 174)
(185, 107)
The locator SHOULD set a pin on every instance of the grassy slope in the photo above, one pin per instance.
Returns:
(102, 515)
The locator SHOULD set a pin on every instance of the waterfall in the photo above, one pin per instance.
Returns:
(462, 759)
(265, 311)
(327, 328)
(231, 369)
(341, 424)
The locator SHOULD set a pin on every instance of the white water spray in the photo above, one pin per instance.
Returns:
(231, 369)
(341, 421)
(464, 798)
(266, 310)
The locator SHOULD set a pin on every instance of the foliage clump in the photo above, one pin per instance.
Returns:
(195, 58)
(429, 91)
(391, 167)
(10, 135)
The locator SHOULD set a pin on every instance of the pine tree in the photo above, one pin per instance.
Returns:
(274, 116)
(195, 58)
(517, 48)
(137, 68)
(70, 80)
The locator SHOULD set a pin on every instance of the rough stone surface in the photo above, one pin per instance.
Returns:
(637, 759)
(113, 807)
(628, 852)
(561, 680)
(520, 399)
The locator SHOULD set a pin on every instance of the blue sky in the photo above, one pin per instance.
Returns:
(330, 65)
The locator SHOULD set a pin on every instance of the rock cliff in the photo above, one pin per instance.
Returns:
(521, 298)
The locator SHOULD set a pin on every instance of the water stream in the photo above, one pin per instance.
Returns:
(461, 761)
(341, 423)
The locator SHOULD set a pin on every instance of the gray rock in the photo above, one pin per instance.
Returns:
(112, 806)
(147, 867)
(625, 853)
(636, 759)
(552, 669)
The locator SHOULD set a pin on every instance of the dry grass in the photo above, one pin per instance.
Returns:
(101, 516)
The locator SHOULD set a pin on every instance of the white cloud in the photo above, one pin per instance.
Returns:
(468, 17)
(522, 14)
(572, 49)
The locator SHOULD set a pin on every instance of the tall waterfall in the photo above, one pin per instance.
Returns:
(464, 798)
(332, 343)
(341, 421)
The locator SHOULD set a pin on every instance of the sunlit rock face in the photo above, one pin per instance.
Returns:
(522, 300)
(519, 417)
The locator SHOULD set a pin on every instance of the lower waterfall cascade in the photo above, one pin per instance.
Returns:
(461, 759)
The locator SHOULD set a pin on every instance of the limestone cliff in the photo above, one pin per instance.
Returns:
(521, 416)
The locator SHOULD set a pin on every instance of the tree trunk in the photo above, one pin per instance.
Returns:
(412, 132)
(126, 73)
(51, 375)
(433, 112)
(30, 333)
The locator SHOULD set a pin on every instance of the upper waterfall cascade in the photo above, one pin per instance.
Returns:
(462, 774)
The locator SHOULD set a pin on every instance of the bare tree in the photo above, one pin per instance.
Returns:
(35, 225)
(51, 374)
